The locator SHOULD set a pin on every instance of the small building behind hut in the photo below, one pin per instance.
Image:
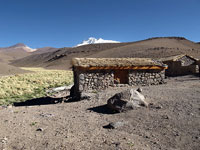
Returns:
(180, 65)
(198, 63)
(100, 73)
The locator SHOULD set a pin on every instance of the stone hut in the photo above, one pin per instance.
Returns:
(91, 74)
(180, 65)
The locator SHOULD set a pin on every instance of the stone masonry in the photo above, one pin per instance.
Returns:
(147, 77)
(101, 79)
(95, 80)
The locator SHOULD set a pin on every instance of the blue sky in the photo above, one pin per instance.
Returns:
(64, 23)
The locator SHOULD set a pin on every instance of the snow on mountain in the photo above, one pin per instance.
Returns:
(93, 40)
(22, 46)
(29, 49)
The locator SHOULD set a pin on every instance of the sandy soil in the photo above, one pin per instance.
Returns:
(171, 122)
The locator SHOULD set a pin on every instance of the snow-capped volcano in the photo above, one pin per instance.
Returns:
(93, 40)
(22, 46)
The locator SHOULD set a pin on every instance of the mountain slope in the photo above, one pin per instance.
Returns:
(151, 48)
(61, 58)
(154, 48)
(20, 46)
(17, 51)
(44, 50)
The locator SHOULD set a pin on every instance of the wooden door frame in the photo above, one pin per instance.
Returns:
(121, 76)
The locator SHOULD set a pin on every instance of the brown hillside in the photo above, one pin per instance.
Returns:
(9, 54)
(60, 59)
(6, 69)
(44, 50)
(153, 48)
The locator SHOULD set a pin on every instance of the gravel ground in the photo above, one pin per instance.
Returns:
(171, 122)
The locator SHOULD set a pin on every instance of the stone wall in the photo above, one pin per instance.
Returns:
(95, 80)
(146, 77)
(92, 80)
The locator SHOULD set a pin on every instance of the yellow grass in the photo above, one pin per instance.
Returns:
(22, 87)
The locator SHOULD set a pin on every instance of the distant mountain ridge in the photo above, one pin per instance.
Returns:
(17, 51)
(19, 46)
(20, 50)
(26, 48)
(93, 40)
(158, 47)
(19, 55)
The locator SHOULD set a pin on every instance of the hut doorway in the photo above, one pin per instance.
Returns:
(121, 77)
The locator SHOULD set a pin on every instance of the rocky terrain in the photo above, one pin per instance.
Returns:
(171, 121)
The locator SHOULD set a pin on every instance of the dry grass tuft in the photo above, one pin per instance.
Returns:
(22, 87)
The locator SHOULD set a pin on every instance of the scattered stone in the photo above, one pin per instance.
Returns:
(39, 129)
(191, 114)
(139, 90)
(117, 144)
(10, 106)
(4, 106)
(147, 137)
(154, 142)
(158, 107)
(4, 140)
(86, 95)
(126, 100)
(46, 115)
(115, 125)
(165, 117)
(152, 105)
(175, 133)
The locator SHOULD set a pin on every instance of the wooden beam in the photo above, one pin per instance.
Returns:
(123, 68)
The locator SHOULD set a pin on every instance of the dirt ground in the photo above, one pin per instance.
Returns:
(172, 122)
